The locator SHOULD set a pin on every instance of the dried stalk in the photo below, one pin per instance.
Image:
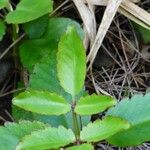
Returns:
(88, 18)
(109, 14)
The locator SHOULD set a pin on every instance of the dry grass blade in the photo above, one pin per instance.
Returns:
(109, 14)
(92, 9)
(130, 10)
(104, 2)
(97, 2)
(136, 11)
(88, 18)
(133, 18)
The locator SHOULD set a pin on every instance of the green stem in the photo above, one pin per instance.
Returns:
(75, 124)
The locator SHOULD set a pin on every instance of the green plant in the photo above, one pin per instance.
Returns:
(37, 135)
(55, 103)
(42, 34)
(70, 58)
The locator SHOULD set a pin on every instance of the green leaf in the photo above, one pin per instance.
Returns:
(51, 138)
(24, 127)
(137, 111)
(3, 3)
(42, 102)
(7, 140)
(36, 28)
(20, 114)
(81, 147)
(38, 49)
(2, 29)
(28, 10)
(58, 26)
(94, 104)
(71, 62)
(102, 129)
(55, 121)
(11, 134)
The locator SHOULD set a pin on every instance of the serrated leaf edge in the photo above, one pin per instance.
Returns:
(128, 101)
(68, 30)
(112, 103)
(34, 133)
(100, 120)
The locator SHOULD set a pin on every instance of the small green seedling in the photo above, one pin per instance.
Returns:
(71, 70)
(126, 124)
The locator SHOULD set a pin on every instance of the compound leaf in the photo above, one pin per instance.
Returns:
(93, 104)
(102, 129)
(28, 10)
(51, 138)
(42, 66)
(137, 112)
(71, 62)
(42, 102)
(81, 147)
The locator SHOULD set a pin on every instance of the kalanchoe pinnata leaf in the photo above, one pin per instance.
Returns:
(28, 10)
(3, 3)
(102, 129)
(49, 138)
(137, 111)
(71, 62)
(2, 29)
(12, 133)
(42, 102)
(94, 104)
(86, 146)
